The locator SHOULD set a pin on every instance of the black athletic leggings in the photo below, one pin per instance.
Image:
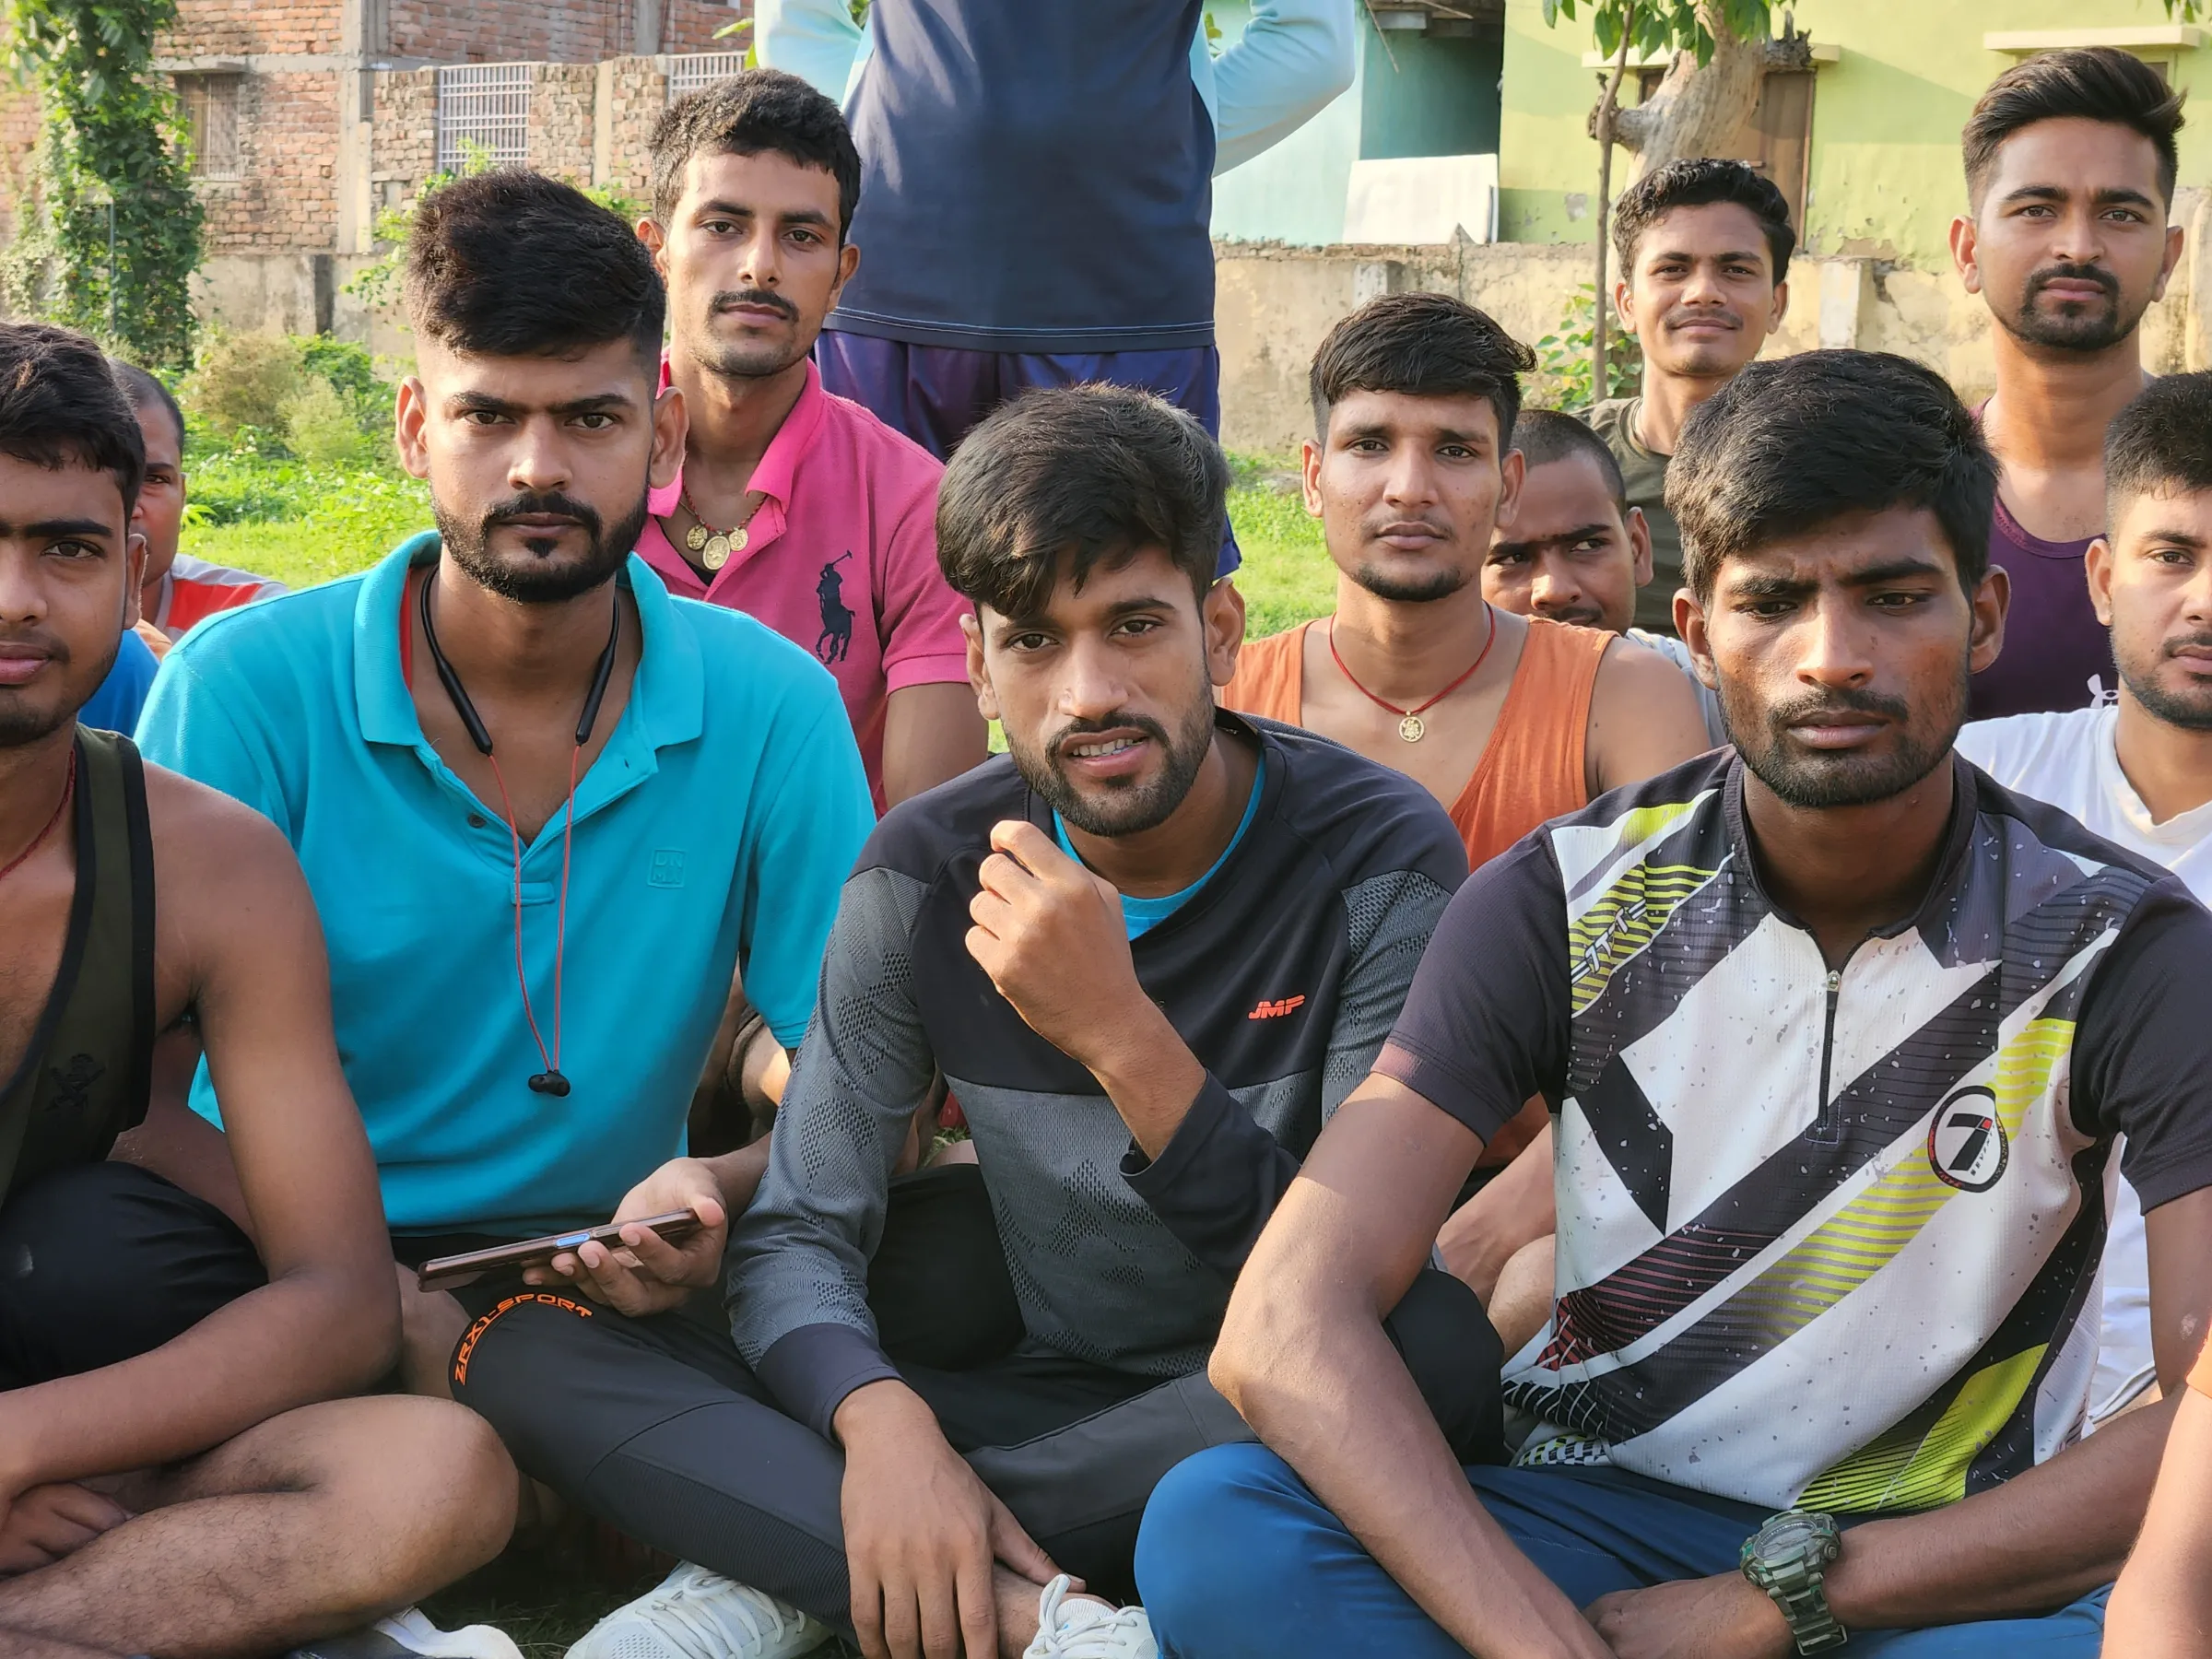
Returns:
(103, 1262)
(658, 1427)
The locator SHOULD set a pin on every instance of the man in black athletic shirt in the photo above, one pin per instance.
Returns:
(1150, 950)
(143, 1328)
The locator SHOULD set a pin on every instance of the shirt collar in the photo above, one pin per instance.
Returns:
(667, 697)
(778, 464)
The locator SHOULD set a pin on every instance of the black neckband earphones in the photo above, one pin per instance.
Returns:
(549, 1081)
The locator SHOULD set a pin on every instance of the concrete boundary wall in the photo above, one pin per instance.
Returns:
(1275, 302)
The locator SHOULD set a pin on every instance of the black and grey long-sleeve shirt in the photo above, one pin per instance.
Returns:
(1284, 973)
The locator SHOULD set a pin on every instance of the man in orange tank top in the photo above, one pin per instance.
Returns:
(1507, 721)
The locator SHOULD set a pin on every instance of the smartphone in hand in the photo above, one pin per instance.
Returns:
(446, 1271)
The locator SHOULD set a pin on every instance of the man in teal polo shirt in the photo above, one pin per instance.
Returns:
(515, 768)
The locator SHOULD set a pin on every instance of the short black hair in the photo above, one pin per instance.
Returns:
(1545, 435)
(1423, 345)
(60, 406)
(2161, 441)
(2087, 83)
(756, 111)
(510, 262)
(1698, 181)
(143, 391)
(1065, 478)
(1796, 443)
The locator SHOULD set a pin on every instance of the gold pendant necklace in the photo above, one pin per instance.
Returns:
(713, 546)
(1412, 728)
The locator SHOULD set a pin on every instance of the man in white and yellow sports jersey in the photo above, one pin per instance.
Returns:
(1839, 1037)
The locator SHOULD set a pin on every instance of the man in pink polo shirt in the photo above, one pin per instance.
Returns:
(794, 505)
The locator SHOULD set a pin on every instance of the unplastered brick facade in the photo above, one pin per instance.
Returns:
(487, 31)
(328, 109)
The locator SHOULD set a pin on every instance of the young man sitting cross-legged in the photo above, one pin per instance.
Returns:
(508, 740)
(1151, 948)
(1840, 1037)
(168, 1483)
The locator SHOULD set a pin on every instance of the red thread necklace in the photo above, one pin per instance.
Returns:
(1411, 727)
(38, 841)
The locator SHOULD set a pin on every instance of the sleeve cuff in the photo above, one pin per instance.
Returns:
(942, 668)
(1216, 1183)
(810, 1370)
(1444, 1089)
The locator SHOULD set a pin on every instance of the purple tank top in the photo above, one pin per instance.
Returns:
(2054, 647)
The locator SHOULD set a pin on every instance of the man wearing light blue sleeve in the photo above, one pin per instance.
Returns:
(1035, 189)
(508, 740)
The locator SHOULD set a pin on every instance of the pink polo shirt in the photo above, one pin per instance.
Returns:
(842, 557)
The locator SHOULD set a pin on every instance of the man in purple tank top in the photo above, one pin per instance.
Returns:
(2070, 167)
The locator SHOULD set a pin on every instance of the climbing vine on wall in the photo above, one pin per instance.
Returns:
(114, 237)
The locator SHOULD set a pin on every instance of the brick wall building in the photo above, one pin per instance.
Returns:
(308, 116)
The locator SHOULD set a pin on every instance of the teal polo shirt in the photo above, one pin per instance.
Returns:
(716, 828)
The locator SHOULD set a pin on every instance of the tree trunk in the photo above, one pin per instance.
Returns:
(1698, 108)
(1608, 113)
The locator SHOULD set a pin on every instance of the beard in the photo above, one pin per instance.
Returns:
(1412, 590)
(751, 359)
(2189, 710)
(541, 578)
(2093, 326)
(1121, 808)
(24, 722)
(1814, 779)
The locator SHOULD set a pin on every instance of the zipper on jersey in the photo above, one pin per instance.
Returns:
(1825, 1127)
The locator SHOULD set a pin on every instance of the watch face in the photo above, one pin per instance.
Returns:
(1789, 1537)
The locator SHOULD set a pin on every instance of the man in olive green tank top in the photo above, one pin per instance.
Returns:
(178, 1472)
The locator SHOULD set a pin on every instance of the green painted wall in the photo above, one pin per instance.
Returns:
(1883, 177)
(1424, 95)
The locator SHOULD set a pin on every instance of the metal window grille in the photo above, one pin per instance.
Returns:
(483, 107)
(209, 104)
(686, 74)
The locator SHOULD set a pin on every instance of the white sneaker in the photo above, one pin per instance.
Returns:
(412, 1632)
(1082, 1629)
(700, 1615)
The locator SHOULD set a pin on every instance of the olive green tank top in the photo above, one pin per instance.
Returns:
(84, 1079)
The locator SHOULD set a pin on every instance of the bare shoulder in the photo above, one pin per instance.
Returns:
(1630, 670)
(211, 851)
(1644, 717)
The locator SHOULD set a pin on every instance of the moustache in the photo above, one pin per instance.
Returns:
(775, 303)
(2104, 278)
(1077, 731)
(2175, 644)
(1809, 711)
(1700, 313)
(550, 504)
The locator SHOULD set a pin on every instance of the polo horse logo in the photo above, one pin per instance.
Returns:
(836, 642)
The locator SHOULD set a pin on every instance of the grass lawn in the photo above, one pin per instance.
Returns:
(301, 526)
(278, 518)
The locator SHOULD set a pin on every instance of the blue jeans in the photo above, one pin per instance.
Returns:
(1239, 1560)
(935, 394)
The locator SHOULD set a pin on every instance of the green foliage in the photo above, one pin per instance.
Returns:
(312, 397)
(116, 234)
(242, 382)
(348, 367)
(1563, 358)
(1658, 26)
(322, 429)
(299, 521)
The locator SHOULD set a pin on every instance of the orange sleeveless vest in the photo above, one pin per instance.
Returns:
(1531, 771)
